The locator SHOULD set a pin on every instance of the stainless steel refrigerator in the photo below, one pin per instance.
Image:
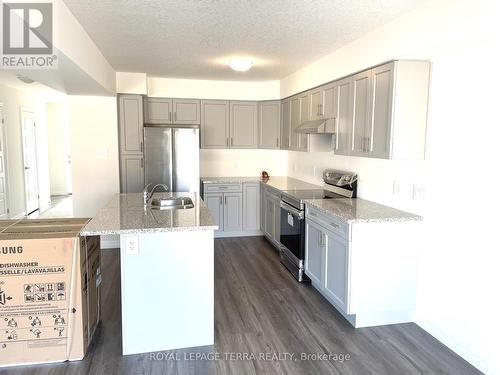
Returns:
(172, 157)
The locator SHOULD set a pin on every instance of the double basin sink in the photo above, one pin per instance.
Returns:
(173, 203)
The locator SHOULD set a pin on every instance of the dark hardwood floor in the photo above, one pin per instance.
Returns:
(260, 308)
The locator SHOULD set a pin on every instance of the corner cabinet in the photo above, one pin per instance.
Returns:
(243, 124)
(215, 124)
(269, 124)
(366, 270)
(131, 138)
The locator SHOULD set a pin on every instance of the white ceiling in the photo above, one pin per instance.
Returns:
(193, 39)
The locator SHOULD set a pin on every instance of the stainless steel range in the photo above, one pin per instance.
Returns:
(338, 185)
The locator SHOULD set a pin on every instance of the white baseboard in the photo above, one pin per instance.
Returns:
(250, 233)
(478, 362)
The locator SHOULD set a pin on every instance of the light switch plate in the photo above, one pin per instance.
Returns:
(132, 245)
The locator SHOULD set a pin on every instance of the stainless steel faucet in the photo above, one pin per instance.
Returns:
(148, 195)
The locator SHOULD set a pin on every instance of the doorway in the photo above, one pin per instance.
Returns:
(30, 161)
(4, 206)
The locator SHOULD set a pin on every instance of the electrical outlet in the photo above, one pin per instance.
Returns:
(396, 187)
(236, 165)
(132, 245)
(418, 192)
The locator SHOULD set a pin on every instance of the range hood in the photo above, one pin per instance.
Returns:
(321, 126)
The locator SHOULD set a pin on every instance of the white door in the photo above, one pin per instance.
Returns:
(3, 178)
(29, 158)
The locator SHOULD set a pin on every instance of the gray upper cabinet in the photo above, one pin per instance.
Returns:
(131, 173)
(361, 120)
(243, 124)
(317, 103)
(158, 111)
(186, 111)
(215, 124)
(379, 144)
(305, 115)
(329, 105)
(295, 122)
(285, 124)
(172, 111)
(343, 117)
(269, 124)
(131, 124)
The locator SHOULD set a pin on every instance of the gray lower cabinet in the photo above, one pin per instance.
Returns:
(234, 206)
(131, 173)
(233, 210)
(243, 124)
(269, 124)
(131, 124)
(214, 203)
(326, 263)
(215, 124)
(251, 206)
(272, 217)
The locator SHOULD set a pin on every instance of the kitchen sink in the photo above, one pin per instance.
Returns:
(174, 203)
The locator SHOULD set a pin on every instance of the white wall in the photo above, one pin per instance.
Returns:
(58, 146)
(73, 41)
(94, 152)
(131, 83)
(206, 89)
(242, 162)
(13, 100)
(458, 275)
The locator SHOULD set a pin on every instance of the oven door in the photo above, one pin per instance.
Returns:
(292, 231)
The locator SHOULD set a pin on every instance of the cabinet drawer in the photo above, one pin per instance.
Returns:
(329, 222)
(216, 188)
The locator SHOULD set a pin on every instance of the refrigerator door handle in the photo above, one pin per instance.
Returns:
(174, 162)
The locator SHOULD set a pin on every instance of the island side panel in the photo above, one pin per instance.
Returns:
(167, 291)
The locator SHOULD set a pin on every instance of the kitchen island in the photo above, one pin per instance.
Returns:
(167, 271)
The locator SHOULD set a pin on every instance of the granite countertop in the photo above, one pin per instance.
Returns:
(125, 214)
(360, 211)
(278, 182)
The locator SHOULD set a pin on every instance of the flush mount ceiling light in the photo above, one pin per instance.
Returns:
(240, 65)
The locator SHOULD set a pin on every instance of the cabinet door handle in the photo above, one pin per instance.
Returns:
(141, 147)
(227, 142)
(225, 199)
(169, 116)
(220, 200)
(335, 225)
(277, 142)
(142, 163)
(232, 143)
(321, 109)
(175, 116)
